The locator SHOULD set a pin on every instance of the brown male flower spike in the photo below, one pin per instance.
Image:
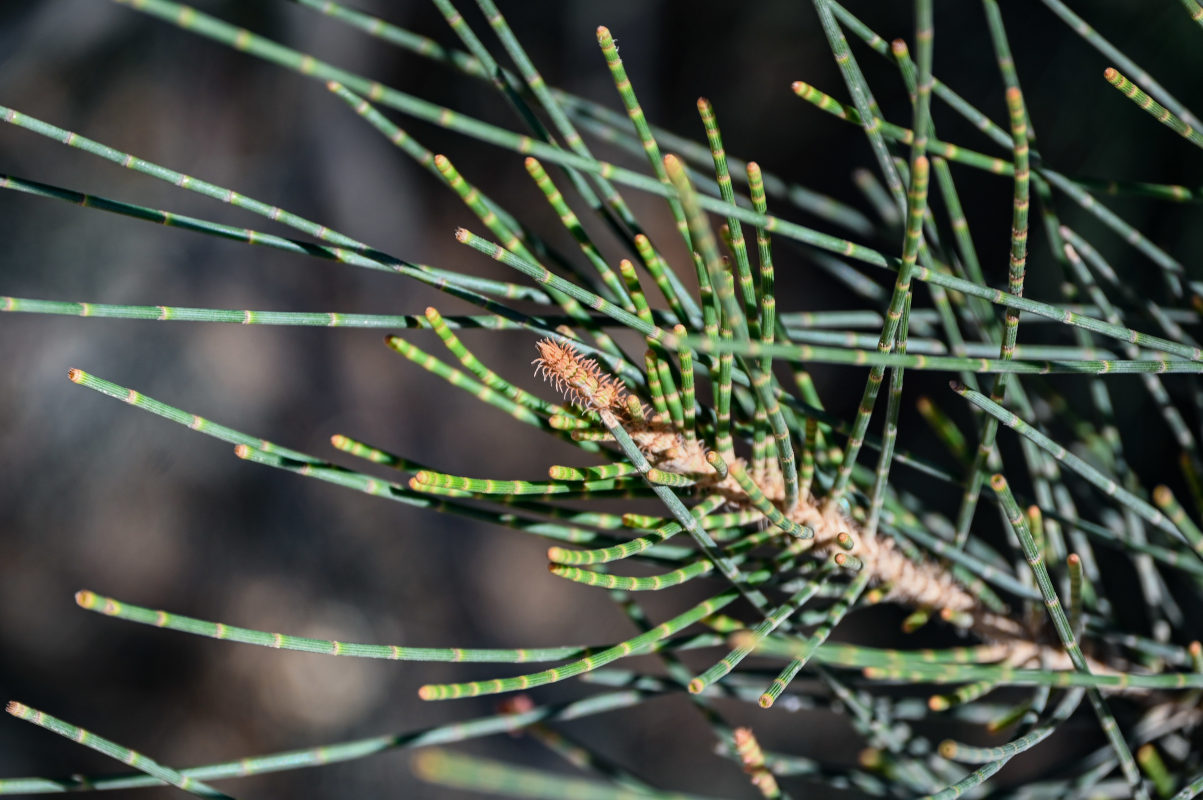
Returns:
(580, 379)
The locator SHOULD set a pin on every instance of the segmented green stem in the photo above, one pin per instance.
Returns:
(1018, 260)
(642, 643)
(1165, 500)
(738, 244)
(145, 764)
(573, 224)
(1092, 37)
(774, 620)
(916, 209)
(1105, 484)
(761, 503)
(486, 376)
(812, 644)
(280, 641)
(635, 112)
(618, 552)
(995, 758)
(351, 750)
(1065, 632)
(1074, 564)
(1155, 109)
(862, 99)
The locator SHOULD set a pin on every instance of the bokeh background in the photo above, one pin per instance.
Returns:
(95, 494)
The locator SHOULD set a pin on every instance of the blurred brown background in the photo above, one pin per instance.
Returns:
(95, 494)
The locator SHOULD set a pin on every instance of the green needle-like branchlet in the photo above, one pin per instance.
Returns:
(646, 642)
(1155, 109)
(280, 641)
(1065, 631)
(133, 758)
(1073, 462)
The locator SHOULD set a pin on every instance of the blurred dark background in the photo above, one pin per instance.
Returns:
(95, 494)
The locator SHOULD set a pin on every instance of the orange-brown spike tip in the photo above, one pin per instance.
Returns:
(1014, 95)
(333, 86)
(766, 701)
(556, 554)
(898, 47)
(580, 379)
(603, 32)
(76, 375)
(1195, 648)
(704, 104)
(531, 163)
(998, 482)
(338, 440)
(428, 692)
(441, 161)
(462, 234)
(1073, 558)
(1110, 73)
(696, 686)
(948, 748)
(242, 451)
(16, 709)
(956, 385)
(799, 87)
(431, 313)
(1161, 495)
(85, 598)
(938, 703)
